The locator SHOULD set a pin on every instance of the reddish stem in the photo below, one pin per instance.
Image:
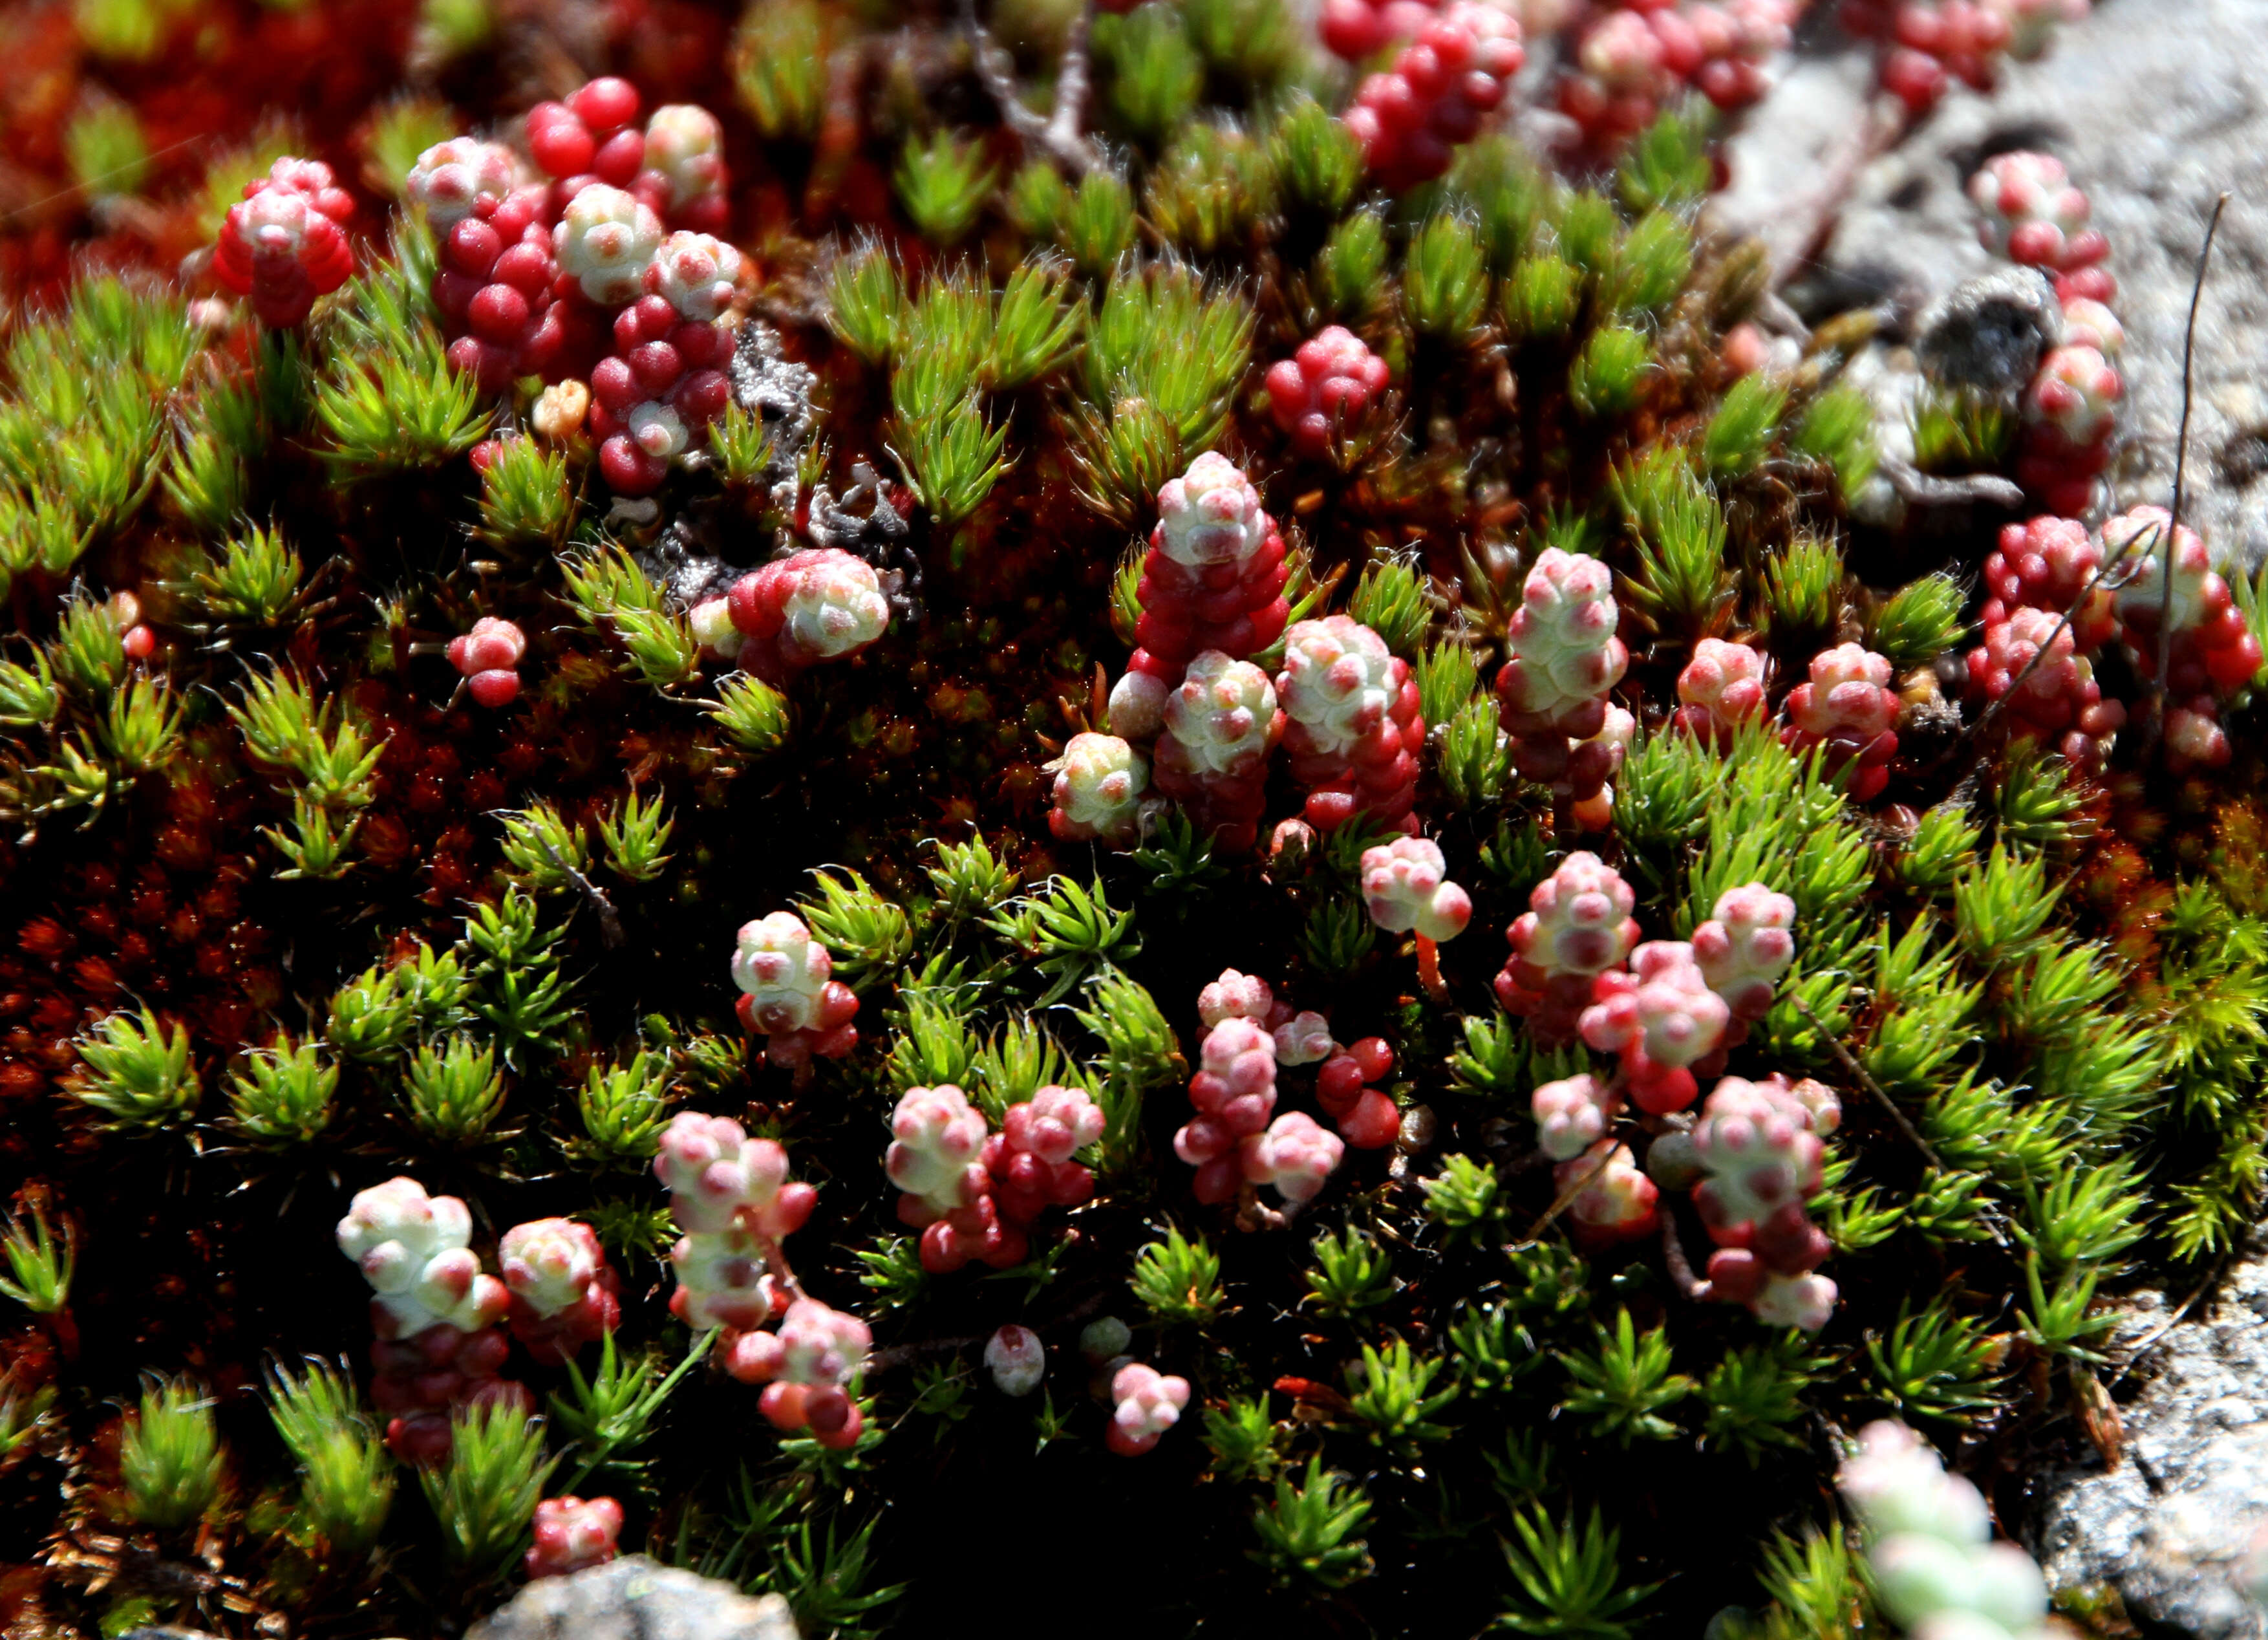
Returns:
(1429, 970)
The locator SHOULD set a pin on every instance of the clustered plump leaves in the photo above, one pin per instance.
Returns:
(298, 905)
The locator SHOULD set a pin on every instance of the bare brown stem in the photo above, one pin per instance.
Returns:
(2181, 465)
(1680, 1268)
(1851, 1063)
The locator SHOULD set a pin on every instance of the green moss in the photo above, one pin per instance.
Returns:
(261, 843)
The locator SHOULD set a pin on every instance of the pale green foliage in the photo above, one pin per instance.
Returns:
(1392, 600)
(484, 1496)
(943, 184)
(1622, 1387)
(1210, 187)
(1681, 584)
(1936, 1365)
(1157, 73)
(868, 933)
(1245, 1443)
(779, 66)
(635, 835)
(1566, 1581)
(346, 1480)
(454, 1092)
(1740, 433)
(38, 1272)
(1351, 1272)
(622, 1106)
(1444, 282)
(1318, 161)
(1178, 1281)
(751, 713)
(169, 1457)
(1307, 1532)
(390, 401)
(138, 1071)
(526, 499)
(1395, 1397)
(1609, 373)
(284, 1093)
(254, 581)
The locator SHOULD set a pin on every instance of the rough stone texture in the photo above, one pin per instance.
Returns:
(2156, 106)
(2167, 1526)
(635, 1599)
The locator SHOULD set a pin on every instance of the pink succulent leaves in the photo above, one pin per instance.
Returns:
(1629, 62)
(1847, 705)
(487, 659)
(787, 994)
(1746, 946)
(730, 1196)
(414, 1250)
(588, 136)
(1016, 1360)
(1562, 654)
(1578, 925)
(1221, 722)
(1406, 889)
(1351, 723)
(1572, 1115)
(434, 1314)
(1326, 389)
(1234, 1092)
(812, 607)
(1662, 1018)
(564, 1291)
(284, 243)
(1146, 1404)
(2034, 215)
(1452, 76)
(1029, 1160)
(1720, 688)
(653, 397)
(1213, 579)
(1098, 784)
(1616, 1201)
(1760, 1145)
(571, 1533)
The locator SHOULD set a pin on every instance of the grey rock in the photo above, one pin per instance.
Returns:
(2156, 106)
(635, 1599)
(1987, 333)
(2168, 1527)
(775, 390)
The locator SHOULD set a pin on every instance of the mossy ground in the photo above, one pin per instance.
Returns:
(2103, 1049)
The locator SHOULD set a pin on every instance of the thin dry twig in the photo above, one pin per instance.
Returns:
(2150, 1339)
(1680, 1268)
(1057, 135)
(1567, 1197)
(610, 922)
(1917, 488)
(1851, 1063)
(2181, 463)
(1992, 709)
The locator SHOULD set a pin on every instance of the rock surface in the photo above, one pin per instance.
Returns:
(2168, 1527)
(635, 1599)
(2156, 106)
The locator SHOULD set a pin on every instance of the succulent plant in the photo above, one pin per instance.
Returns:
(772, 788)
